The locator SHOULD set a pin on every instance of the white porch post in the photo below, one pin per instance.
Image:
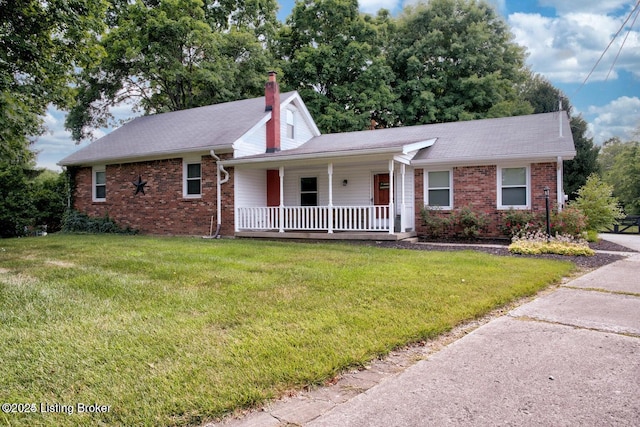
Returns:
(330, 213)
(403, 207)
(559, 189)
(392, 213)
(281, 207)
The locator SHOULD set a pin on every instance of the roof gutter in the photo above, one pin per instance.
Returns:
(144, 158)
(550, 157)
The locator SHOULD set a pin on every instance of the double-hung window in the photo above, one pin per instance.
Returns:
(309, 191)
(438, 189)
(192, 183)
(291, 124)
(99, 183)
(513, 187)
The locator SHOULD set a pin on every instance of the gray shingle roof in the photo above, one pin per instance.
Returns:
(532, 136)
(183, 131)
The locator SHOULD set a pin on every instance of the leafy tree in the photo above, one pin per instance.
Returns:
(543, 96)
(585, 163)
(597, 203)
(455, 60)
(40, 44)
(16, 208)
(258, 16)
(49, 199)
(164, 56)
(620, 164)
(333, 56)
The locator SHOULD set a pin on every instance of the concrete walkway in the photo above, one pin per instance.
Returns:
(568, 358)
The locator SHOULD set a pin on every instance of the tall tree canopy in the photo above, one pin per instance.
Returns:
(544, 97)
(40, 44)
(454, 60)
(620, 165)
(333, 56)
(164, 55)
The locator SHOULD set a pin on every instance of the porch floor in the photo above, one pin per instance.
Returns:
(321, 235)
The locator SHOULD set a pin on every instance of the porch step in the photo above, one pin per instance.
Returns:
(343, 235)
(411, 240)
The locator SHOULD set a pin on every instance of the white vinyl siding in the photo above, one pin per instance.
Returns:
(250, 187)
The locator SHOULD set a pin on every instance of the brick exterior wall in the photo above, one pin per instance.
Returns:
(476, 186)
(162, 209)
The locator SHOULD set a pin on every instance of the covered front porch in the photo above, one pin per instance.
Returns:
(371, 199)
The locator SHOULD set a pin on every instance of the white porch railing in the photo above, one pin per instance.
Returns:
(313, 218)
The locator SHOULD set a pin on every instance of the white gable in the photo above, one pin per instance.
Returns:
(292, 108)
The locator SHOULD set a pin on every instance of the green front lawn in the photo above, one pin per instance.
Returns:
(182, 330)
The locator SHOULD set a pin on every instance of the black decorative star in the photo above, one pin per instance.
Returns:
(139, 184)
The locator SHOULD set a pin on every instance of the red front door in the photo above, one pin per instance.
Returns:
(273, 187)
(381, 193)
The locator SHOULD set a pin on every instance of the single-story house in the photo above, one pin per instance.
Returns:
(260, 167)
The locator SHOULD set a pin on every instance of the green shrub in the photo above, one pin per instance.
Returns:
(592, 236)
(515, 222)
(436, 225)
(536, 243)
(468, 223)
(78, 222)
(596, 202)
(570, 221)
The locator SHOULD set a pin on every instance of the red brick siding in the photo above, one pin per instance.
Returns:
(162, 209)
(477, 186)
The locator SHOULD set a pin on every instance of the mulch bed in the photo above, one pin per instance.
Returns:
(583, 262)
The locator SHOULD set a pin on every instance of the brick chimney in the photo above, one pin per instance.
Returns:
(272, 103)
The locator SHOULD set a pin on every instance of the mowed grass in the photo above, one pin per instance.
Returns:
(179, 331)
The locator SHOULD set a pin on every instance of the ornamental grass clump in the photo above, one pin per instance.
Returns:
(537, 242)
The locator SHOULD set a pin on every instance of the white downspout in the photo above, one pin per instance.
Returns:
(219, 182)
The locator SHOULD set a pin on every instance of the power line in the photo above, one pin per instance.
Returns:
(623, 43)
(635, 8)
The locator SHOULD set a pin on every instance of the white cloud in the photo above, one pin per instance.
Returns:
(565, 48)
(620, 117)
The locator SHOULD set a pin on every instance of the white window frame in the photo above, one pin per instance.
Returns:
(185, 169)
(450, 188)
(290, 122)
(527, 185)
(94, 183)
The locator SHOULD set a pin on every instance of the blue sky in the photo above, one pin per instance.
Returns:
(563, 38)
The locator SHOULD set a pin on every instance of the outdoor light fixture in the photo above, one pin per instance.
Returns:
(546, 202)
(344, 182)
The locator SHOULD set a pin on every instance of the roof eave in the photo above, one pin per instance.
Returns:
(304, 156)
(147, 156)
